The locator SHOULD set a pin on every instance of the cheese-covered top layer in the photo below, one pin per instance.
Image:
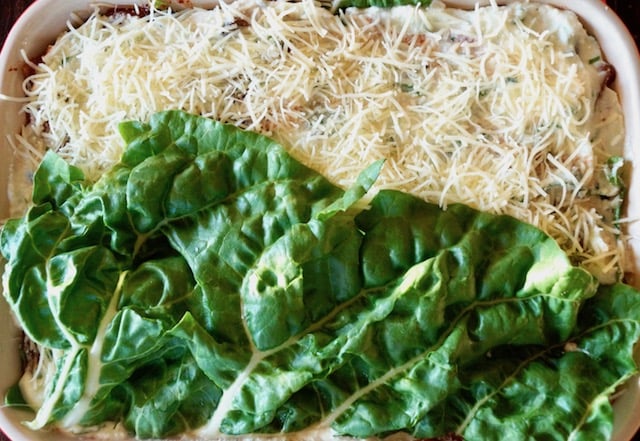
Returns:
(501, 108)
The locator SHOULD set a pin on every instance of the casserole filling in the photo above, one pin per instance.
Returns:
(193, 278)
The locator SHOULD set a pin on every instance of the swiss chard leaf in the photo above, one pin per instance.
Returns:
(210, 282)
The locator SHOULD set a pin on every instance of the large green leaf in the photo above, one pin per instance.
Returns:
(211, 282)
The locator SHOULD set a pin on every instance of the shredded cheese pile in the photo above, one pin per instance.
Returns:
(501, 108)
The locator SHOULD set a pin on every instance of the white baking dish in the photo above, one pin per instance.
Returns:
(45, 19)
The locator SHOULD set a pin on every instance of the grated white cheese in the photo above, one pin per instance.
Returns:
(501, 108)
